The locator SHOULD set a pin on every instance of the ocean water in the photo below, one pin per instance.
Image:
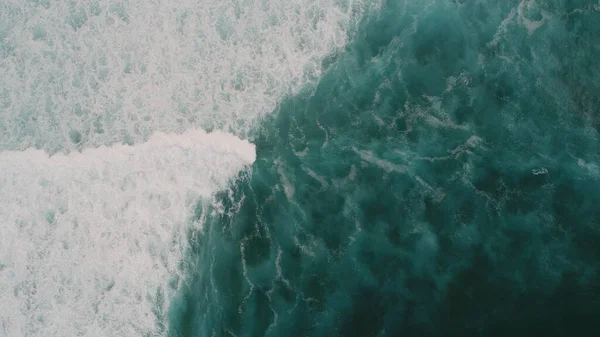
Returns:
(300, 168)
(440, 179)
(117, 117)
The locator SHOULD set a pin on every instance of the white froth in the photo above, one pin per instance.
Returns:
(531, 25)
(88, 239)
(79, 74)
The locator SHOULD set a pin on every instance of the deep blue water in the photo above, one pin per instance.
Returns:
(442, 178)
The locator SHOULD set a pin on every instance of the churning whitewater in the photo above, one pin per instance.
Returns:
(102, 155)
(95, 235)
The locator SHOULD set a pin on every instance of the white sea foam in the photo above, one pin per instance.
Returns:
(80, 74)
(88, 239)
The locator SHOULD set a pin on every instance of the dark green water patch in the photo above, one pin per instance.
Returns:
(442, 179)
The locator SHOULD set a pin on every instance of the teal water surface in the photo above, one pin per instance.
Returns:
(440, 179)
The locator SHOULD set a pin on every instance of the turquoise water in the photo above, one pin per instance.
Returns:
(440, 179)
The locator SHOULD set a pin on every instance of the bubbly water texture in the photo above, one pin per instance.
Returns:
(91, 231)
(89, 240)
(85, 73)
(442, 179)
